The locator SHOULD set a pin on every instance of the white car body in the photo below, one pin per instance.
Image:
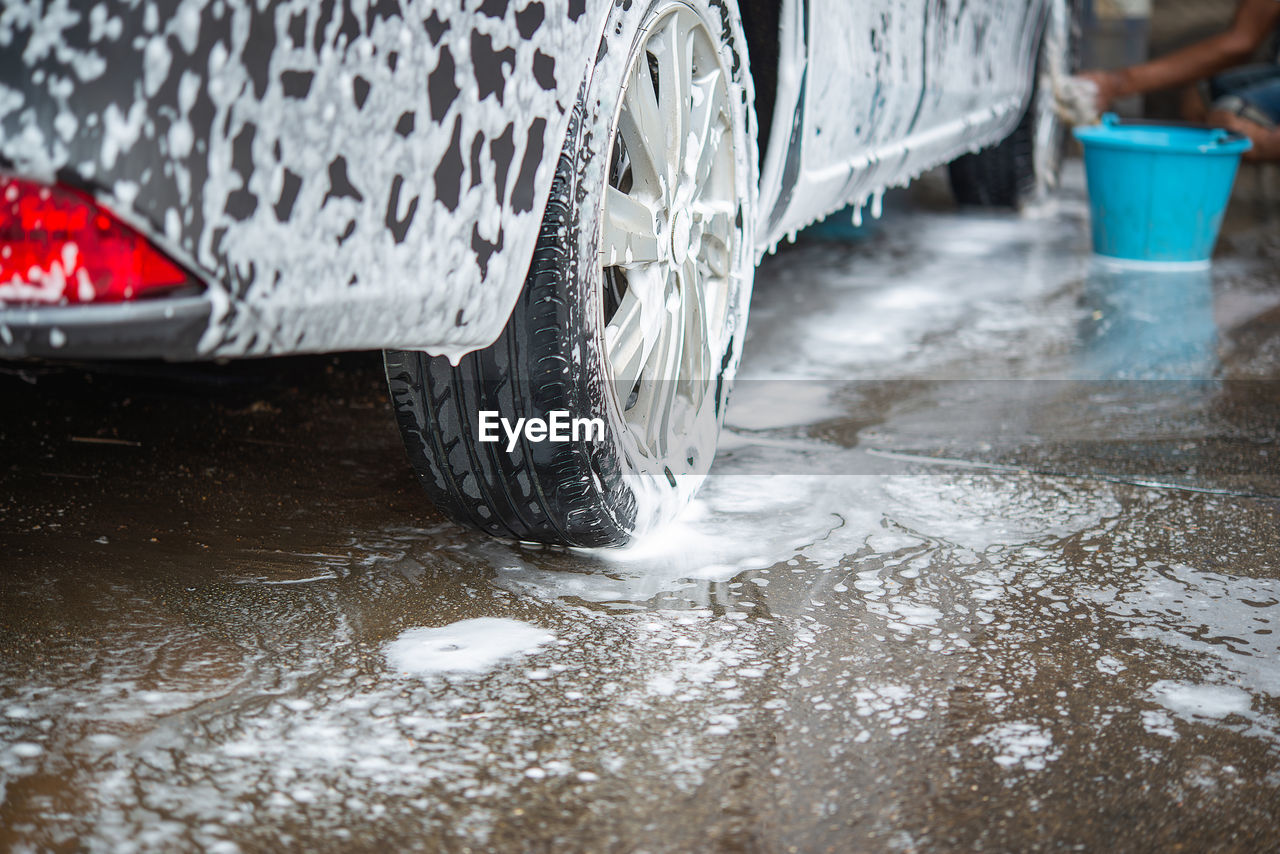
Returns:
(193, 127)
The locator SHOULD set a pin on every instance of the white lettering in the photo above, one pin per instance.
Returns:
(488, 423)
(513, 433)
(592, 429)
(557, 427)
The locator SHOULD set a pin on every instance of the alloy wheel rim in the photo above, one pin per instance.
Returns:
(668, 234)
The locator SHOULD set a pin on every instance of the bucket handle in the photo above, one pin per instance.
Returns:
(1112, 120)
(1222, 136)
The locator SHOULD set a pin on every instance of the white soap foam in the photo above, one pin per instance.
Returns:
(1201, 700)
(1173, 604)
(467, 646)
(1020, 744)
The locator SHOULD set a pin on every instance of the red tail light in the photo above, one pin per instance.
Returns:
(57, 246)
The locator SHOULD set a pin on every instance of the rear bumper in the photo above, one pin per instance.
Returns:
(169, 328)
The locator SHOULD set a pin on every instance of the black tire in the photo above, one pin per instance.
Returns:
(1007, 174)
(550, 357)
(1002, 176)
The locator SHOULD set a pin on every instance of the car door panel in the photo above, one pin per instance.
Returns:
(894, 88)
(866, 77)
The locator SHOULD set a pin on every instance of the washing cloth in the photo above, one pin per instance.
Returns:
(1075, 100)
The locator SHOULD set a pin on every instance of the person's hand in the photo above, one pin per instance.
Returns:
(1266, 141)
(1110, 85)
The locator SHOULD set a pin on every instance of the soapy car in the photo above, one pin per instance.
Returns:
(532, 206)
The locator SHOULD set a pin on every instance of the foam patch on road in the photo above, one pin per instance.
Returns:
(1020, 744)
(467, 646)
(1201, 701)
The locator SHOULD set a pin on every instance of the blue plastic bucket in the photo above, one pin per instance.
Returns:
(1158, 193)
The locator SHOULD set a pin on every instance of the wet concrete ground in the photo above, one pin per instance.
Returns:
(989, 561)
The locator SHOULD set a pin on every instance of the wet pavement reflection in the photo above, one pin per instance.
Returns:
(988, 561)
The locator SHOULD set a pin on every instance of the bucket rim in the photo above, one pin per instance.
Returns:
(1121, 262)
(1201, 139)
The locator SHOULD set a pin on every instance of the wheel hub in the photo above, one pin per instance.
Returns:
(681, 236)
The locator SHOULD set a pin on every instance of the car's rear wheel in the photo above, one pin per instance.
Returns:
(634, 308)
(1024, 165)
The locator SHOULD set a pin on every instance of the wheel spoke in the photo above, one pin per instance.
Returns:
(658, 384)
(706, 130)
(715, 296)
(626, 344)
(627, 236)
(643, 130)
(716, 256)
(663, 405)
(675, 64)
(717, 234)
(709, 158)
(714, 173)
(697, 335)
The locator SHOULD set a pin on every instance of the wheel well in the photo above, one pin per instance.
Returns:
(760, 21)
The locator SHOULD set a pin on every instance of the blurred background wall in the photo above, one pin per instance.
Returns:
(1175, 24)
(1126, 32)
